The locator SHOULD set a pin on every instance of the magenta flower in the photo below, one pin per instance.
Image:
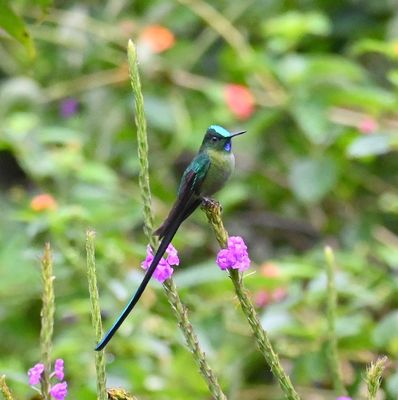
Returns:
(164, 269)
(344, 398)
(172, 255)
(225, 259)
(59, 369)
(235, 256)
(35, 374)
(59, 391)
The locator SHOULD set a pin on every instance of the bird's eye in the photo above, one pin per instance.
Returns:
(214, 139)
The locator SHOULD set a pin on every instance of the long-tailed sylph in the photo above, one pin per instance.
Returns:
(205, 175)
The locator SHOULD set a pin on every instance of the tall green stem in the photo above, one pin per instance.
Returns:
(95, 314)
(169, 286)
(213, 213)
(47, 318)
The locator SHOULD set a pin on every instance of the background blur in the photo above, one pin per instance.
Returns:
(315, 85)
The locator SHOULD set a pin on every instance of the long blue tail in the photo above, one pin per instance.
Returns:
(168, 237)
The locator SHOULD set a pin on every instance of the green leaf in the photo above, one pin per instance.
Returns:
(59, 135)
(311, 179)
(313, 70)
(311, 116)
(371, 99)
(372, 145)
(287, 29)
(351, 325)
(45, 4)
(392, 385)
(385, 333)
(374, 46)
(275, 319)
(98, 173)
(159, 113)
(14, 26)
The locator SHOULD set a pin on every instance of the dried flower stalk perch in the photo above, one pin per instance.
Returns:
(169, 285)
(213, 213)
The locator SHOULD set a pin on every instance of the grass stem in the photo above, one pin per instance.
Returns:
(4, 389)
(374, 375)
(47, 318)
(95, 314)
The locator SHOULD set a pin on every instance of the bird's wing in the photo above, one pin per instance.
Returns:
(194, 176)
(188, 193)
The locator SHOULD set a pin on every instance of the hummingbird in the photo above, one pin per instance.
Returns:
(205, 175)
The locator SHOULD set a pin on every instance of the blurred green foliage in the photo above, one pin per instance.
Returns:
(318, 164)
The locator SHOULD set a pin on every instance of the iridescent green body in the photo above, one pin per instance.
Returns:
(205, 175)
(222, 164)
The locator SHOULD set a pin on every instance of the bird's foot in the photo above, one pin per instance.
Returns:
(208, 202)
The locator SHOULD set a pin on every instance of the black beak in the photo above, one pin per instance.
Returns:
(237, 134)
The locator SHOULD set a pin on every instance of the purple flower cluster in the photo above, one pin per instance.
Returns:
(235, 256)
(68, 107)
(164, 270)
(57, 391)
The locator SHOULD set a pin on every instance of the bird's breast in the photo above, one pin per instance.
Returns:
(221, 166)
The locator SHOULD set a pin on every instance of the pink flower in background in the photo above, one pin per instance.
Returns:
(262, 298)
(368, 125)
(279, 294)
(265, 297)
(59, 391)
(239, 100)
(164, 269)
(35, 374)
(344, 398)
(235, 256)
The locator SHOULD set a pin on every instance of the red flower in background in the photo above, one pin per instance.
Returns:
(239, 100)
(264, 297)
(158, 38)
